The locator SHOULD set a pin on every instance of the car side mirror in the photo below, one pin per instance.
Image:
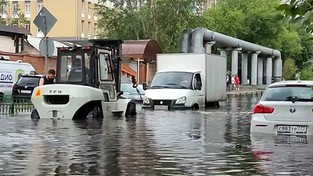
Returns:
(144, 86)
(120, 93)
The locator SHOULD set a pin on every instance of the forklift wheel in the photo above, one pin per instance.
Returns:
(131, 108)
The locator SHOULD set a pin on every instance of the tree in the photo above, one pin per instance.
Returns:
(290, 68)
(256, 22)
(161, 20)
(306, 74)
(300, 12)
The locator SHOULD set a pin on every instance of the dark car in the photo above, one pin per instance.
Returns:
(25, 85)
(132, 93)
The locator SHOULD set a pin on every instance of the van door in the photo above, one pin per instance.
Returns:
(199, 89)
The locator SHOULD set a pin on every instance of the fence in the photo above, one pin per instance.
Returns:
(12, 105)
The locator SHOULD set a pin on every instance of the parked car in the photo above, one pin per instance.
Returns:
(285, 108)
(130, 92)
(25, 85)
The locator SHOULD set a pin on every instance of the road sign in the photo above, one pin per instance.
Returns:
(46, 46)
(44, 21)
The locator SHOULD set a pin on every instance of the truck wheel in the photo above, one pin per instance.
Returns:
(195, 107)
(131, 109)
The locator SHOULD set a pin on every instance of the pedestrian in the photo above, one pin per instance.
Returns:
(48, 78)
(237, 82)
(228, 81)
(233, 85)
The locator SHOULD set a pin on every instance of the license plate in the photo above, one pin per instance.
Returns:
(160, 107)
(291, 139)
(292, 129)
(26, 91)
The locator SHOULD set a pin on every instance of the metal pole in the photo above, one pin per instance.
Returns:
(46, 41)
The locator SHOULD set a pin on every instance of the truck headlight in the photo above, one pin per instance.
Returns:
(146, 100)
(181, 100)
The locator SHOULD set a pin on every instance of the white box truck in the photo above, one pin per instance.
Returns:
(10, 72)
(187, 80)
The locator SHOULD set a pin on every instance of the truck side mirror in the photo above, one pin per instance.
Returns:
(144, 86)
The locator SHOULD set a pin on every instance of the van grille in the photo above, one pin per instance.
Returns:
(57, 99)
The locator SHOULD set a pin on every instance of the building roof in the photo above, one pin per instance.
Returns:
(12, 30)
(34, 41)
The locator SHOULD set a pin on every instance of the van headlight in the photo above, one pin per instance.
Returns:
(146, 100)
(181, 100)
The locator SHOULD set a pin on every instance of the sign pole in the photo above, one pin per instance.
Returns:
(46, 41)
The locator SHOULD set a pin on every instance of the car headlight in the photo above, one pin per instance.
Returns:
(181, 100)
(146, 100)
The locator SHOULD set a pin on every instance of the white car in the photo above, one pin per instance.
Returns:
(285, 108)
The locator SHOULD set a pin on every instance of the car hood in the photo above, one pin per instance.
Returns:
(171, 94)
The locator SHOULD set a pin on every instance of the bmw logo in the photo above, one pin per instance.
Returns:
(25, 87)
(292, 110)
(161, 102)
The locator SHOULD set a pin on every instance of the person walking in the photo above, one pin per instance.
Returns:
(237, 82)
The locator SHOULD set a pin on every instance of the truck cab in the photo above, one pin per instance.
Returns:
(176, 89)
(87, 80)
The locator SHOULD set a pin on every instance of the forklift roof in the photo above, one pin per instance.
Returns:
(100, 42)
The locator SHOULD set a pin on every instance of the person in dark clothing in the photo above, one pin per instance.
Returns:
(48, 78)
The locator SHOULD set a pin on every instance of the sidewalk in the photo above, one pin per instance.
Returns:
(248, 90)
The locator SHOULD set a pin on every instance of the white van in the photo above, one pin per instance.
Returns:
(10, 72)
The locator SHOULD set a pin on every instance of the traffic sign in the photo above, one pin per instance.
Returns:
(46, 46)
(44, 21)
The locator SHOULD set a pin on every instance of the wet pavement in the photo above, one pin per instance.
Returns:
(211, 142)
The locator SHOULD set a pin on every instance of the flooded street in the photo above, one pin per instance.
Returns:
(211, 142)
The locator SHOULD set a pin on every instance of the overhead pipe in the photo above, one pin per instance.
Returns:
(194, 43)
(185, 41)
(199, 35)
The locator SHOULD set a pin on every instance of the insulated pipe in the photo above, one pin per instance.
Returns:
(199, 35)
(185, 41)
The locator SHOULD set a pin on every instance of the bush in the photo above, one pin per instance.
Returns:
(306, 74)
(290, 68)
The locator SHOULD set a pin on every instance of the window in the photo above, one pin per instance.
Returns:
(39, 5)
(105, 67)
(27, 7)
(15, 7)
(89, 8)
(197, 82)
(27, 26)
(83, 6)
(177, 80)
(82, 25)
(89, 28)
(3, 9)
(288, 93)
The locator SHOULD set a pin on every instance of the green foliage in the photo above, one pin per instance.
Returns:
(161, 20)
(299, 12)
(306, 74)
(289, 69)
(256, 22)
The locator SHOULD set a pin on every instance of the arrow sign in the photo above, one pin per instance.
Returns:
(44, 21)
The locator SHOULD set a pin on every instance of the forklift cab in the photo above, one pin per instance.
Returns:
(97, 65)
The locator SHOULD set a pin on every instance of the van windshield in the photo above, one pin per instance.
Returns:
(181, 80)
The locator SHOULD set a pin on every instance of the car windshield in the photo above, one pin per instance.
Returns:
(288, 93)
(129, 88)
(172, 80)
(23, 81)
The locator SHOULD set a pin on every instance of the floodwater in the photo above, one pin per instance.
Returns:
(211, 142)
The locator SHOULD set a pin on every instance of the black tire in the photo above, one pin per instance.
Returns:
(131, 109)
(195, 107)
(34, 115)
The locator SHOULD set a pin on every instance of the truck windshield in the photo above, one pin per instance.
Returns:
(181, 80)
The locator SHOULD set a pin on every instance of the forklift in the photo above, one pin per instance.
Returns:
(87, 83)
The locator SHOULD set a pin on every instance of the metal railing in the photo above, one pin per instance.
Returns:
(12, 105)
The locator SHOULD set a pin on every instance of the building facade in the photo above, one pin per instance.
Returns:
(76, 19)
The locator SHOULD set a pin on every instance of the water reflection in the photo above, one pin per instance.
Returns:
(211, 142)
